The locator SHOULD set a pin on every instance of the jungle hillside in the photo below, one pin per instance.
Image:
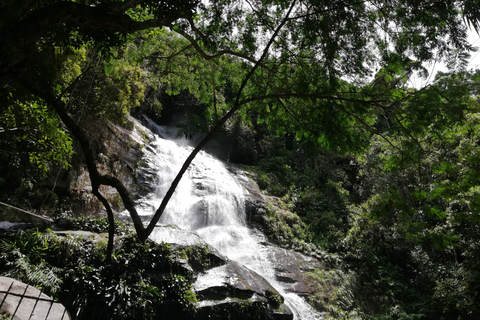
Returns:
(315, 98)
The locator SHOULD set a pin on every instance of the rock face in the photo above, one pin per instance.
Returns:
(254, 200)
(225, 289)
(232, 291)
(119, 153)
(24, 302)
(290, 267)
(229, 290)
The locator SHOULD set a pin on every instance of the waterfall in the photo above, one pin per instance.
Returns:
(210, 202)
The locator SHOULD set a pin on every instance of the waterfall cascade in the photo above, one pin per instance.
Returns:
(210, 202)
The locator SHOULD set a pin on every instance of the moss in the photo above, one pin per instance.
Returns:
(199, 257)
(287, 230)
(334, 292)
(116, 202)
(266, 181)
(142, 163)
(274, 299)
(285, 227)
(145, 135)
(129, 125)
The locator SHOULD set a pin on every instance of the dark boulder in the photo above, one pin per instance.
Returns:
(233, 291)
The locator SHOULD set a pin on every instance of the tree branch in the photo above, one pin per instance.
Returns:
(111, 224)
(203, 142)
(44, 20)
(18, 38)
(96, 178)
(307, 96)
(206, 56)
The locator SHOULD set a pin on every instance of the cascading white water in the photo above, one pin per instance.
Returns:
(210, 202)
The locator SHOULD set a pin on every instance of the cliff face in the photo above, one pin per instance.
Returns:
(119, 154)
(219, 286)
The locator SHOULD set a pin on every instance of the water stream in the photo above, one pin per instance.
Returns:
(210, 202)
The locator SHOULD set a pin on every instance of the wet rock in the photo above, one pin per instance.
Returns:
(231, 280)
(290, 268)
(255, 203)
(226, 290)
(192, 253)
(86, 235)
(146, 179)
(255, 211)
(235, 309)
(202, 258)
(176, 236)
(6, 225)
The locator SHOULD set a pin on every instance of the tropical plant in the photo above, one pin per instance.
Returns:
(297, 66)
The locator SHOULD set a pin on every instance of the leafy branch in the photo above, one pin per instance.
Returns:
(236, 106)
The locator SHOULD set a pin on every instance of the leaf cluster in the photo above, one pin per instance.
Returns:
(143, 283)
(418, 226)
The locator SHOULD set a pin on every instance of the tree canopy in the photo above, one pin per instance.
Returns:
(322, 71)
(383, 173)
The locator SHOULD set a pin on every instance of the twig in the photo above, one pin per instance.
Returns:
(24, 211)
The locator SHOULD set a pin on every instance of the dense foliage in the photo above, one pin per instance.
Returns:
(403, 216)
(382, 174)
(144, 282)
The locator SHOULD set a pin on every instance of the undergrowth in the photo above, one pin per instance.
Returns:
(287, 230)
(143, 282)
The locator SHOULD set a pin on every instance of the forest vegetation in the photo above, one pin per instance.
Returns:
(381, 174)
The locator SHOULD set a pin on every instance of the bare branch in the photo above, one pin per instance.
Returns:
(96, 178)
(179, 52)
(203, 142)
(221, 53)
(111, 224)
